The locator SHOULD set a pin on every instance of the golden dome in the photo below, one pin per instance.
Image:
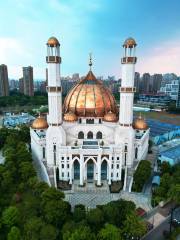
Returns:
(110, 117)
(130, 42)
(70, 117)
(52, 41)
(40, 123)
(89, 98)
(140, 124)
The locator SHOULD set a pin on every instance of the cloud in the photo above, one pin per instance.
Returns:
(161, 59)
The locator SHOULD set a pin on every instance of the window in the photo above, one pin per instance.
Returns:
(117, 166)
(67, 165)
(117, 175)
(68, 174)
(43, 152)
(112, 166)
(90, 121)
(90, 135)
(62, 158)
(80, 135)
(100, 120)
(62, 174)
(125, 148)
(80, 120)
(54, 147)
(99, 135)
(62, 165)
(112, 158)
(117, 158)
(54, 158)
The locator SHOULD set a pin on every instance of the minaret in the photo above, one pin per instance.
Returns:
(127, 89)
(127, 86)
(55, 136)
(53, 60)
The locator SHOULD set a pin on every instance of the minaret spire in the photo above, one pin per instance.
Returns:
(90, 60)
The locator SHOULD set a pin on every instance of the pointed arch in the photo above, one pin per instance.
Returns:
(90, 135)
(80, 135)
(99, 135)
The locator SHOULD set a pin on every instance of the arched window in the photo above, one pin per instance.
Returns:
(90, 135)
(80, 135)
(99, 135)
(136, 153)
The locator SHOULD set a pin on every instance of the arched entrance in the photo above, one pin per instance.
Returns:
(76, 170)
(90, 170)
(104, 170)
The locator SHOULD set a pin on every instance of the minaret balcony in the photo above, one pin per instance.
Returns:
(53, 59)
(126, 60)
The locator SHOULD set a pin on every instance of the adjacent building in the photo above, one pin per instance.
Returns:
(4, 84)
(21, 85)
(156, 82)
(171, 89)
(137, 81)
(28, 81)
(145, 83)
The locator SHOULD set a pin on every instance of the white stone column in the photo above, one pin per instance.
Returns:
(65, 169)
(109, 173)
(55, 182)
(70, 173)
(81, 169)
(120, 168)
(99, 170)
(125, 178)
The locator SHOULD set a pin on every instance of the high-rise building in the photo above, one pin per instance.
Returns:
(4, 84)
(156, 82)
(137, 81)
(75, 77)
(21, 85)
(28, 81)
(145, 83)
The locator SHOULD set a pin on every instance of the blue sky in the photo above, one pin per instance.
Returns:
(97, 26)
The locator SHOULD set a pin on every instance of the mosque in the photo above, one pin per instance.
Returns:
(88, 138)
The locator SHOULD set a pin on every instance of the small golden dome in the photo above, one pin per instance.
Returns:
(40, 123)
(52, 41)
(110, 117)
(129, 43)
(70, 117)
(140, 124)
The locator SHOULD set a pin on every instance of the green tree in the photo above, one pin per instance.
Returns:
(109, 232)
(133, 226)
(174, 193)
(79, 213)
(56, 212)
(14, 234)
(166, 168)
(48, 232)
(11, 216)
(33, 228)
(81, 233)
(141, 175)
(95, 219)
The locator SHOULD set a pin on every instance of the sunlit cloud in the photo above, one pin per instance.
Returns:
(161, 59)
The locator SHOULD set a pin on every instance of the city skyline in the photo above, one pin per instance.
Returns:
(77, 25)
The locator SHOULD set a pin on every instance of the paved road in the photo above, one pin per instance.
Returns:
(157, 233)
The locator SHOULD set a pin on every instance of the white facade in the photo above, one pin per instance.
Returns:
(89, 152)
(171, 89)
